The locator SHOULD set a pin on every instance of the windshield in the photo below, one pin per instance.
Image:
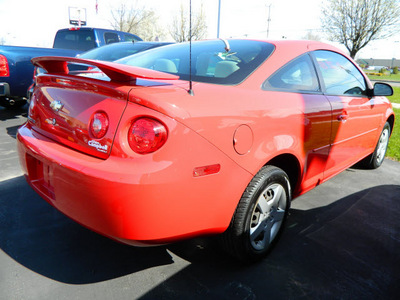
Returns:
(213, 61)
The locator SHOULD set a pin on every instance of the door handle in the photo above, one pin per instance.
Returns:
(343, 117)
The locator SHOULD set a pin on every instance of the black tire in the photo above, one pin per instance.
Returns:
(16, 104)
(260, 215)
(375, 160)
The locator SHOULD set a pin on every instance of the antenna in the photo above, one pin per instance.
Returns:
(190, 91)
(227, 47)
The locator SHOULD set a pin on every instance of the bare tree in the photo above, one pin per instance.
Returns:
(149, 28)
(180, 30)
(355, 23)
(138, 20)
(311, 36)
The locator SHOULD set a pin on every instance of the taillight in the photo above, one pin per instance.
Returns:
(4, 70)
(99, 125)
(147, 135)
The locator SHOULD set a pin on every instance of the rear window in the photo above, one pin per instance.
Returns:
(75, 39)
(213, 61)
(111, 37)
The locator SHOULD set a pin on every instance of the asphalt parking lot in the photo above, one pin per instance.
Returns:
(342, 241)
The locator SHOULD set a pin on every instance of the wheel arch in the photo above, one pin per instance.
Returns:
(390, 120)
(291, 165)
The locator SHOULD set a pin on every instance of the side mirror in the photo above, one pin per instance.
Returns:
(382, 89)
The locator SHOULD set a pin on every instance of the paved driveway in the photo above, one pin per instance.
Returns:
(341, 241)
(392, 83)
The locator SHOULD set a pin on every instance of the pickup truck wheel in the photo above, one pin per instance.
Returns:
(260, 215)
(375, 160)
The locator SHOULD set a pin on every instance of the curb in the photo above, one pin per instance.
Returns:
(396, 105)
(385, 80)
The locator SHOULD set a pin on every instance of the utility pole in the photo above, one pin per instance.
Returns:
(269, 19)
(219, 17)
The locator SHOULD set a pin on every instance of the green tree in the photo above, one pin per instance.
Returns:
(354, 23)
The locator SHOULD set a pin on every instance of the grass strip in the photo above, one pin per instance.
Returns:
(393, 151)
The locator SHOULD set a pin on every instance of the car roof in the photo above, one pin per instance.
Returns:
(304, 45)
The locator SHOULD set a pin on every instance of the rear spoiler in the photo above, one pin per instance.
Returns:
(116, 72)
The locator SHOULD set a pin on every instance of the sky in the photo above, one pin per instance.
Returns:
(34, 23)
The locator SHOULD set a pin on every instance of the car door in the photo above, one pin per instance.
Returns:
(297, 82)
(355, 119)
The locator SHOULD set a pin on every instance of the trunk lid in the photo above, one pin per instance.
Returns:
(63, 105)
(63, 109)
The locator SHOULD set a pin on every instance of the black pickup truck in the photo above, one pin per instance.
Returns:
(16, 69)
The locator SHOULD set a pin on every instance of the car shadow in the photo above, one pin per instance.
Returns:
(7, 114)
(40, 238)
(345, 250)
(18, 114)
(12, 131)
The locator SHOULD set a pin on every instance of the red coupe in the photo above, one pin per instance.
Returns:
(216, 139)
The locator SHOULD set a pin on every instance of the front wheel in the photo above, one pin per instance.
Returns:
(259, 216)
(375, 160)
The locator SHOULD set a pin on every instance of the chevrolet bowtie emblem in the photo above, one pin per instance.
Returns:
(56, 105)
(51, 121)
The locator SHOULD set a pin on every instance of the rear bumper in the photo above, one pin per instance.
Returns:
(139, 201)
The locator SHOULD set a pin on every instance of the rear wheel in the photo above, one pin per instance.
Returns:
(376, 159)
(260, 215)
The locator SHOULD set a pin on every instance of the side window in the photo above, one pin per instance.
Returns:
(111, 37)
(340, 76)
(297, 75)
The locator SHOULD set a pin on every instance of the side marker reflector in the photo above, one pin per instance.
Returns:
(206, 170)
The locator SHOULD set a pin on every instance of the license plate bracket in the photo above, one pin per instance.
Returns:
(41, 176)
